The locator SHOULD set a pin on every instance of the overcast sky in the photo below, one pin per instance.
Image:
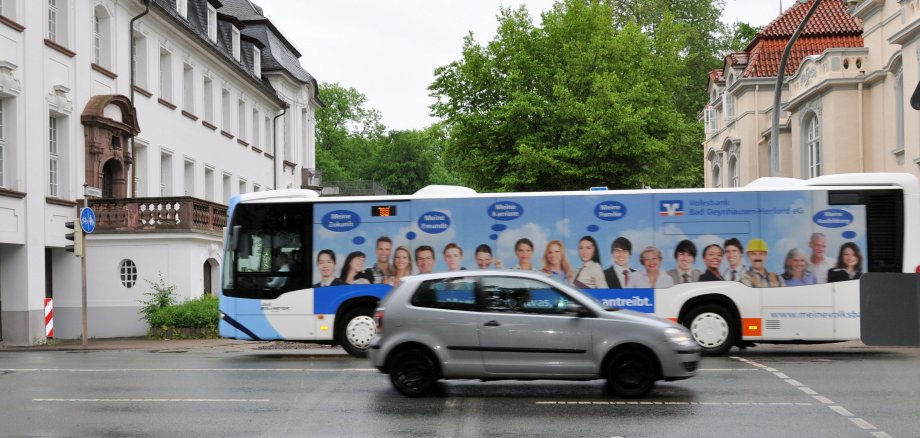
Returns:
(388, 49)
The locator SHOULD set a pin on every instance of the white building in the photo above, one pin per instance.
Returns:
(219, 106)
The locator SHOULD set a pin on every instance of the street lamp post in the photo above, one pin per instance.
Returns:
(777, 93)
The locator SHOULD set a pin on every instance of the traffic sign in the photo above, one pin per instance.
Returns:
(87, 220)
(92, 191)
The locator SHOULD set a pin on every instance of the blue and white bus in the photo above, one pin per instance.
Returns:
(776, 261)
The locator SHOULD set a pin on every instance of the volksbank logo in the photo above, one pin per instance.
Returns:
(671, 208)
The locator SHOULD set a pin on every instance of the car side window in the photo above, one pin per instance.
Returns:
(522, 295)
(446, 293)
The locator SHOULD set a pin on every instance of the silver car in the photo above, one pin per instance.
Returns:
(495, 325)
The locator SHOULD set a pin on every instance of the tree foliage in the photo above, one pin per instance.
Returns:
(591, 97)
(353, 144)
(740, 36)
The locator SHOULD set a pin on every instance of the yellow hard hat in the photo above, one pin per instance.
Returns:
(757, 245)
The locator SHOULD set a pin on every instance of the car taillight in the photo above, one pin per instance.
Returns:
(918, 269)
(378, 318)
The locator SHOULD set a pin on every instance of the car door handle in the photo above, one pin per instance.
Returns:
(492, 323)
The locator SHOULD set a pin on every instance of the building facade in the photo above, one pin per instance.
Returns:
(168, 107)
(845, 97)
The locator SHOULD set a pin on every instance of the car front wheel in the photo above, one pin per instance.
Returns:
(412, 372)
(631, 373)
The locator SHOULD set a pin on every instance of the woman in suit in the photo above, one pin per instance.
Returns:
(353, 271)
(849, 264)
(590, 275)
(712, 256)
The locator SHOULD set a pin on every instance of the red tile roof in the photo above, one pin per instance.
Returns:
(829, 27)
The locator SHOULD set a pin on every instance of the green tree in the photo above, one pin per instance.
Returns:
(409, 160)
(741, 35)
(347, 132)
(575, 103)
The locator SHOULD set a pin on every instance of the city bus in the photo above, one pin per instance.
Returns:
(301, 267)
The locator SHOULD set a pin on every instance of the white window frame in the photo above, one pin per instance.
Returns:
(54, 16)
(212, 23)
(54, 158)
(97, 39)
(139, 63)
(256, 134)
(734, 174)
(813, 146)
(716, 175)
(2, 142)
(188, 87)
(241, 119)
(165, 74)
(899, 109)
(225, 116)
(235, 42)
(256, 62)
(182, 8)
(207, 85)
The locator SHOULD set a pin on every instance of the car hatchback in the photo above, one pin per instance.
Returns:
(495, 325)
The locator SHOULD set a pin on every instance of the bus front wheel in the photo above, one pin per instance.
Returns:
(712, 327)
(355, 331)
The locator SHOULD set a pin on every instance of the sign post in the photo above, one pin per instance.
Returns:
(88, 224)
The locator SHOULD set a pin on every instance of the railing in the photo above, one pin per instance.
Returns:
(158, 215)
(353, 188)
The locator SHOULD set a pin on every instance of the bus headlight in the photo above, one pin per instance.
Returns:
(677, 336)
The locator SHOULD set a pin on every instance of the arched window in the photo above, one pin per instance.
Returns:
(716, 176)
(899, 108)
(734, 177)
(813, 146)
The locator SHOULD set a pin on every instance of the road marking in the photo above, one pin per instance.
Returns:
(156, 400)
(859, 422)
(726, 369)
(149, 370)
(841, 410)
(863, 424)
(663, 403)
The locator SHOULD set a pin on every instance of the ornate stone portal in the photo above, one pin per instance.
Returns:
(109, 121)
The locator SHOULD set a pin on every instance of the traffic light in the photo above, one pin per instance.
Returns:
(76, 237)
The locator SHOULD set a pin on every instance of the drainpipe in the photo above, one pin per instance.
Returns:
(131, 91)
(859, 110)
(275, 142)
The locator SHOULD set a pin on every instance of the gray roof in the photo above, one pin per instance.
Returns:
(278, 54)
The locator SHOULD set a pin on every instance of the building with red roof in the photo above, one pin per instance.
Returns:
(843, 100)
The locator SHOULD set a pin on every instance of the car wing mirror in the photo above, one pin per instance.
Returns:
(575, 309)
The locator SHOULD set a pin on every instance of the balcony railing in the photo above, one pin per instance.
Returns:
(159, 215)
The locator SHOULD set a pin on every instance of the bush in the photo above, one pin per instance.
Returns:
(198, 313)
(163, 296)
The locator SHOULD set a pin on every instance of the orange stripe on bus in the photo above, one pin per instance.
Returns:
(751, 327)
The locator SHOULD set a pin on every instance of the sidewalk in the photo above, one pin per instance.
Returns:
(197, 345)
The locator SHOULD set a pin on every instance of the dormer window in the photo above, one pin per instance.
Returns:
(236, 43)
(212, 24)
(257, 62)
(182, 8)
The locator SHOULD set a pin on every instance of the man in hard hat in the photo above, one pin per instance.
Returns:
(757, 275)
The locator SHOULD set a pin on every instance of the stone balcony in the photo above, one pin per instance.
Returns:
(180, 214)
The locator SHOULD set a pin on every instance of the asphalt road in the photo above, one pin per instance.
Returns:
(791, 391)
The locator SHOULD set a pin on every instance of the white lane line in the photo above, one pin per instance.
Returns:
(156, 400)
(859, 422)
(669, 403)
(863, 424)
(152, 370)
(727, 369)
(841, 410)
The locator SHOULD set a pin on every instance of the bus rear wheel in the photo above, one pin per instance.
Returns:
(355, 331)
(712, 327)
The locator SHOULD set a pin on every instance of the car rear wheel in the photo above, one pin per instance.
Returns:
(712, 328)
(631, 373)
(356, 330)
(412, 372)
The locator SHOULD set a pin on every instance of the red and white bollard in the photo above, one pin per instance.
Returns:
(49, 318)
